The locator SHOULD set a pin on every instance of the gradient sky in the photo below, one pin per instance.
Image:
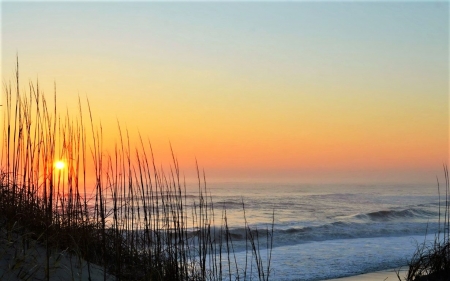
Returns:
(340, 91)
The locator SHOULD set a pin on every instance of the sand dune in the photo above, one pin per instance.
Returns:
(27, 261)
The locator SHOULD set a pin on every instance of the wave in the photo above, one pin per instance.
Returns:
(387, 215)
(330, 231)
(228, 204)
(414, 220)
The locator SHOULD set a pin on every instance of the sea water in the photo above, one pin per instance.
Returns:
(325, 231)
(328, 231)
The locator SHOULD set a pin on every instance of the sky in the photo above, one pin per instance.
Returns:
(254, 91)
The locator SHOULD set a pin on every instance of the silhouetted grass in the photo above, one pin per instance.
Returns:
(431, 262)
(137, 223)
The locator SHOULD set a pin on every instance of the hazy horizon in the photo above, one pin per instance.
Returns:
(293, 91)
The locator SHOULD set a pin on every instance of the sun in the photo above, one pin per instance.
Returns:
(60, 165)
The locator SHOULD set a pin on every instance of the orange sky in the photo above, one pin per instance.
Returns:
(253, 91)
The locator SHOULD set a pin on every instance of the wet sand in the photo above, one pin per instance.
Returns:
(384, 275)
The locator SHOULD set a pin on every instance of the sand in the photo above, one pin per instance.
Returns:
(384, 275)
(28, 262)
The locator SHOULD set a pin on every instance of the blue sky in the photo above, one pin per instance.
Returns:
(253, 88)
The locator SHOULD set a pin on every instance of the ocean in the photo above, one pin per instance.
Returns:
(328, 231)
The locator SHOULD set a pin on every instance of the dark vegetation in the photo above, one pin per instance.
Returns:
(431, 262)
(136, 224)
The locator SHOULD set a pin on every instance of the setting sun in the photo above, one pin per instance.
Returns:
(59, 165)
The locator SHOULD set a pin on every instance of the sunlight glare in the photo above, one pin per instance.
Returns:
(59, 165)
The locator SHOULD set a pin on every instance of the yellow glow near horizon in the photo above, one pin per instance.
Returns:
(246, 91)
(59, 165)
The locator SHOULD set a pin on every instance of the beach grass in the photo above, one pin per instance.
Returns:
(133, 222)
(431, 262)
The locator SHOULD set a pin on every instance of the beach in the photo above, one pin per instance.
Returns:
(20, 263)
(306, 232)
(240, 140)
(383, 275)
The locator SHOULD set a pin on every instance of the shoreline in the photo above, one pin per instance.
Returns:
(382, 275)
